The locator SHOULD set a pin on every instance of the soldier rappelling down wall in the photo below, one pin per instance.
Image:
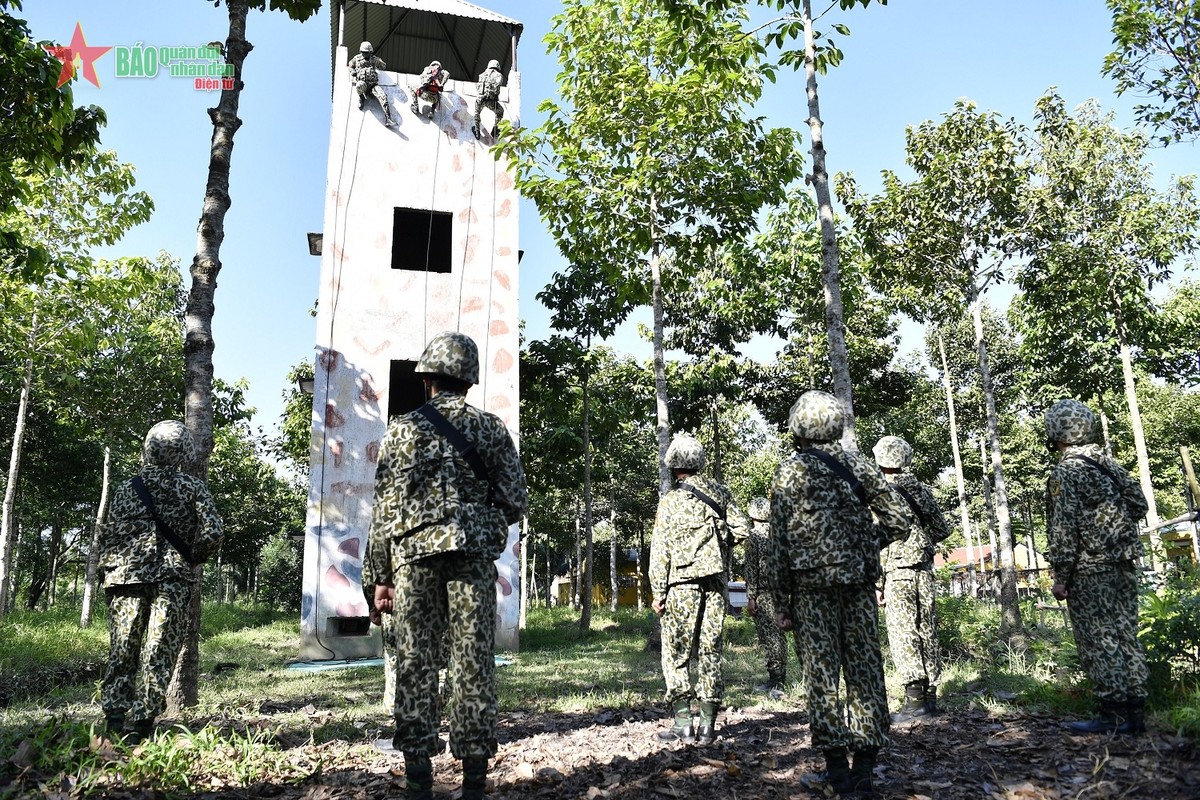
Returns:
(488, 89)
(427, 95)
(364, 74)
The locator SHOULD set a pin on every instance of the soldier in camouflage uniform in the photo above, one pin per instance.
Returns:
(147, 581)
(908, 591)
(365, 77)
(488, 89)
(689, 551)
(1092, 510)
(760, 605)
(437, 528)
(831, 514)
(429, 88)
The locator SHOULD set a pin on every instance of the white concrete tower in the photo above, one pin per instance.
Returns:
(420, 236)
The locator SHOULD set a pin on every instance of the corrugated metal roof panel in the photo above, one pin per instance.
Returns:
(408, 34)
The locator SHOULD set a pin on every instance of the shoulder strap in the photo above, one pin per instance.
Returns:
(912, 503)
(704, 498)
(464, 448)
(838, 467)
(164, 529)
(1108, 473)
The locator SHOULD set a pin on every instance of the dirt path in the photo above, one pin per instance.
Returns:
(965, 755)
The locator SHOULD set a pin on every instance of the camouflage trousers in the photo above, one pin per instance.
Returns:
(387, 627)
(693, 622)
(493, 105)
(1103, 604)
(911, 625)
(146, 629)
(837, 636)
(770, 637)
(449, 598)
(375, 90)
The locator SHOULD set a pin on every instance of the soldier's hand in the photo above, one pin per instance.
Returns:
(659, 606)
(1059, 591)
(783, 621)
(751, 607)
(385, 597)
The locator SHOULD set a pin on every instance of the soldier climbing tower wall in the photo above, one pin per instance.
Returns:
(419, 237)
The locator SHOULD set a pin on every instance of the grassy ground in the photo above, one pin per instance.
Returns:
(257, 719)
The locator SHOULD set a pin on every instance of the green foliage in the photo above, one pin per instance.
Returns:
(280, 570)
(1169, 629)
(1158, 55)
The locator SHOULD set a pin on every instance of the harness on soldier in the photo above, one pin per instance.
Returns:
(912, 503)
(464, 448)
(164, 530)
(705, 498)
(838, 467)
(1108, 473)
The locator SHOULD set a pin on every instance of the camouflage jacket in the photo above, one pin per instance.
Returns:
(428, 500)
(756, 556)
(821, 534)
(690, 540)
(1091, 519)
(364, 68)
(928, 529)
(132, 551)
(489, 84)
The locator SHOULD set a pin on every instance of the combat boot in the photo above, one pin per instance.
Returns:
(774, 685)
(474, 778)
(138, 732)
(681, 729)
(1135, 717)
(931, 706)
(113, 725)
(914, 702)
(863, 770)
(1109, 719)
(707, 732)
(418, 776)
(836, 776)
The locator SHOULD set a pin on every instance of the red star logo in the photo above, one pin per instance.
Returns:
(77, 49)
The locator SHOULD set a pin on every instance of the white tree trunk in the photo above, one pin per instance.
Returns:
(835, 326)
(959, 478)
(7, 528)
(663, 417)
(93, 560)
(1139, 438)
(526, 576)
(1010, 609)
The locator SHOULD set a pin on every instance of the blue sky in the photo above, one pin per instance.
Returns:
(904, 63)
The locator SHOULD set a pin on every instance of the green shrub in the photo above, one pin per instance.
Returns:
(280, 572)
(1169, 629)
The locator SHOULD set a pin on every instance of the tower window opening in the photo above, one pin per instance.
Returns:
(421, 240)
(406, 390)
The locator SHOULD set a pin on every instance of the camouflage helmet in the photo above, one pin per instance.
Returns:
(366, 47)
(760, 509)
(1070, 422)
(451, 354)
(168, 444)
(494, 64)
(892, 452)
(685, 452)
(817, 417)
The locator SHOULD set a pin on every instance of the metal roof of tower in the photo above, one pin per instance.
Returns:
(408, 34)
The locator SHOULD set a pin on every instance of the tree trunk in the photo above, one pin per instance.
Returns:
(585, 613)
(578, 577)
(1139, 437)
(641, 584)
(56, 535)
(93, 560)
(1108, 450)
(718, 471)
(989, 509)
(7, 537)
(663, 422)
(526, 575)
(198, 340)
(959, 478)
(835, 326)
(612, 562)
(1010, 609)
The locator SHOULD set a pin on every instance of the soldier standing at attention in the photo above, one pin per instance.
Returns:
(908, 584)
(1092, 510)
(759, 603)
(448, 486)
(365, 77)
(689, 551)
(148, 577)
(831, 514)
(488, 89)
